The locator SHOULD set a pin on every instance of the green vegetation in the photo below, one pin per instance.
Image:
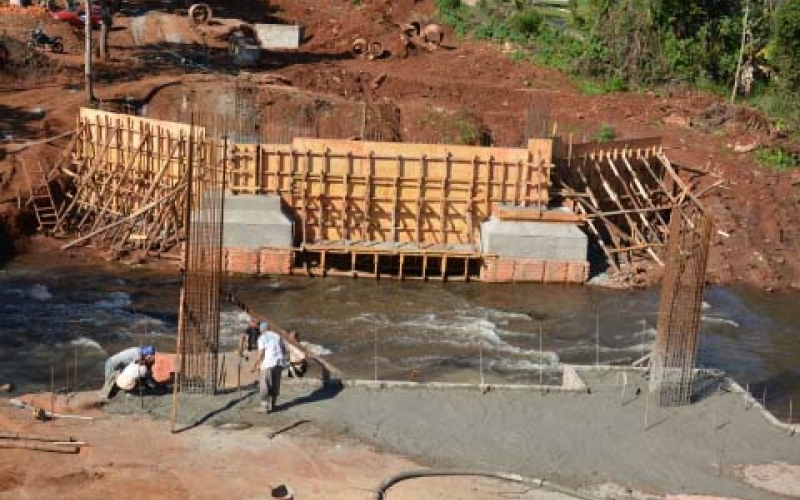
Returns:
(614, 45)
(786, 47)
(461, 127)
(777, 159)
(606, 133)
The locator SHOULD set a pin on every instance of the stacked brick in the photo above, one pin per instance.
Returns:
(255, 261)
(18, 10)
(509, 270)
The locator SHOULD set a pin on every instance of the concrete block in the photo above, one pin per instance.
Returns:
(279, 36)
(533, 240)
(256, 221)
(570, 380)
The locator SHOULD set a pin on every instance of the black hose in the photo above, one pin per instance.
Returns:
(387, 483)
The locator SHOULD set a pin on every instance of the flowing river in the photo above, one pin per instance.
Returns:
(60, 317)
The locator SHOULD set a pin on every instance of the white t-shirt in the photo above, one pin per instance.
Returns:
(270, 343)
(130, 374)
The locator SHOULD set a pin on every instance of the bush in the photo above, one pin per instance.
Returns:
(456, 14)
(777, 159)
(527, 23)
(606, 133)
(787, 44)
(445, 5)
(459, 127)
(779, 105)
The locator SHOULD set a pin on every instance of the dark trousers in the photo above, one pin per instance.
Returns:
(269, 383)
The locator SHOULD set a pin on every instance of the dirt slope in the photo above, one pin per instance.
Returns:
(755, 207)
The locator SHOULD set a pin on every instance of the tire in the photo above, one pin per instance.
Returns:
(57, 47)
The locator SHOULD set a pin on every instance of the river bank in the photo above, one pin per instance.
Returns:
(339, 444)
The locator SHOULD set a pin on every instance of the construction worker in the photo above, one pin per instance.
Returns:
(269, 362)
(124, 358)
(134, 374)
(248, 341)
(125, 368)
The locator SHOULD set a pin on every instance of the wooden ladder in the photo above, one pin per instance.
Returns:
(41, 198)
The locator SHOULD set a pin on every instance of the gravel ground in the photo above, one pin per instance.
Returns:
(580, 440)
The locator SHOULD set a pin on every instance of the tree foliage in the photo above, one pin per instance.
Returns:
(618, 44)
(787, 45)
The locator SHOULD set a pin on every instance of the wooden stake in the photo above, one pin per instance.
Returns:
(597, 339)
(52, 388)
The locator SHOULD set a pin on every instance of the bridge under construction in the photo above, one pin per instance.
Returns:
(322, 206)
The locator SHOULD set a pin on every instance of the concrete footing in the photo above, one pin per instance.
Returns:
(257, 237)
(530, 251)
(510, 270)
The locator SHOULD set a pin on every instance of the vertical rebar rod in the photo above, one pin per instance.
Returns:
(541, 354)
(597, 339)
(644, 329)
(52, 388)
(480, 359)
(87, 63)
(75, 373)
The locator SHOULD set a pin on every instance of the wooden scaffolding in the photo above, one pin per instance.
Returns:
(129, 176)
(627, 191)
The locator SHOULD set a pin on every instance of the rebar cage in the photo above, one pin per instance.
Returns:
(198, 329)
(675, 351)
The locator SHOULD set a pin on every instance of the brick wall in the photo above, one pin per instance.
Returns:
(275, 261)
(257, 261)
(508, 270)
(241, 261)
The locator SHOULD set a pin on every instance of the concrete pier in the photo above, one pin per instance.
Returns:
(546, 252)
(258, 236)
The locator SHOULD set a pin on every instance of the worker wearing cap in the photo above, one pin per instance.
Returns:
(128, 356)
(248, 341)
(126, 368)
(269, 362)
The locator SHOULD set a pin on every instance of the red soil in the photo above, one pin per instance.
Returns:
(756, 208)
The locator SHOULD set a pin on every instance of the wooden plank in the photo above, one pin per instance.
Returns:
(640, 214)
(127, 219)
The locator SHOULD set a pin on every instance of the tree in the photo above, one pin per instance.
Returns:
(787, 44)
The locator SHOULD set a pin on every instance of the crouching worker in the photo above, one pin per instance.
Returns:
(133, 375)
(269, 362)
(123, 358)
(134, 361)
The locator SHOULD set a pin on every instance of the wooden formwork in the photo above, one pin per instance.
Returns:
(343, 190)
(348, 193)
(130, 179)
(627, 191)
(336, 190)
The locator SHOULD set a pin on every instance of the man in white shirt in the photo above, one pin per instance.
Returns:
(131, 375)
(269, 362)
(135, 363)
